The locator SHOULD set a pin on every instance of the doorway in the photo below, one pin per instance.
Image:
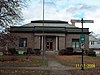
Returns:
(49, 45)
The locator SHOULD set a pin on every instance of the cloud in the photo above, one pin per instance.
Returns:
(65, 10)
(68, 7)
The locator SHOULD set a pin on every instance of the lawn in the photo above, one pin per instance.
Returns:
(24, 72)
(84, 72)
(48, 72)
(22, 61)
(35, 61)
(72, 60)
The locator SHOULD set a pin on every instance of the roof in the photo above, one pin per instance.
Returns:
(49, 23)
(48, 31)
(93, 38)
(50, 26)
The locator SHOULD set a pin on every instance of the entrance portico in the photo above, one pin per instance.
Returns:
(51, 42)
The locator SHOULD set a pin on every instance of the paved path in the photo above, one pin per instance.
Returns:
(52, 62)
(37, 68)
(56, 67)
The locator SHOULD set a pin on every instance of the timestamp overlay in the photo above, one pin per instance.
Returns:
(86, 65)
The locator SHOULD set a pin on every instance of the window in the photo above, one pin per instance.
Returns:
(23, 42)
(75, 43)
(92, 42)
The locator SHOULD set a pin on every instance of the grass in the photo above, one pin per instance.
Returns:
(22, 61)
(84, 72)
(48, 72)
(24, 72)
(76, 59)
(37, 61)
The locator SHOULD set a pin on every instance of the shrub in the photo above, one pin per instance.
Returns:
(77, 53)
(86, 51)
(29, 51)
(12, 51)
(67, 51)
(37, 51)
(62, 52)
(91, 53)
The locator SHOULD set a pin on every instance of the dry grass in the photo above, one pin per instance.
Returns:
(24, 72)
(76, 59)
(84, 72)
(22, 61)
(48, 72)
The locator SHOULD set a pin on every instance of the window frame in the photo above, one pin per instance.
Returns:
(92, 42)
(75, 43)
(22, 42)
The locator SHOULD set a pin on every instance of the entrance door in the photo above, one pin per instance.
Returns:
(49, 45)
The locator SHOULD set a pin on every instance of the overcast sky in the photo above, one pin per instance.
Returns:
(65, 10)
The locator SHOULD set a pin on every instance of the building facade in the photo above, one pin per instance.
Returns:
(49, 35)
(94, 44)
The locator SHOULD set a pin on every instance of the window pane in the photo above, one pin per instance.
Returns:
(75, 43)
(23, 42)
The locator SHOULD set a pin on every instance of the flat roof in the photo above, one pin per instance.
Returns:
(48, 21)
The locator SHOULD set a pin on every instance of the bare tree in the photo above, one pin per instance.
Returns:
(10, 12)
(6, 39)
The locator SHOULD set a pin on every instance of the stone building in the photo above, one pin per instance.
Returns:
(51, 35)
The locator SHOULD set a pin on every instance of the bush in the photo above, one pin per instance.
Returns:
(86, 51)
(37, 51)
(67, 51)
(29, 51)
(62, 52)
(12, 51)
(91, 53)
(77, 53)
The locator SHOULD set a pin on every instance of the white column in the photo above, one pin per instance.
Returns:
(56, 43)
(42, 43)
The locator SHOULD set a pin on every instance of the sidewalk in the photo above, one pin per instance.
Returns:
(38, 68)
(53, 63)
(55, 67)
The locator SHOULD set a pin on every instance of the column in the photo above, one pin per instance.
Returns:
(56, 43)
(42, 44)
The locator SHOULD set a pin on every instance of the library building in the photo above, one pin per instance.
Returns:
(51, 35)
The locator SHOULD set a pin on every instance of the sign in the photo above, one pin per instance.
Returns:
(84, 21)
(88, 21)
(20, 52)
(82, 45)
(82, 38)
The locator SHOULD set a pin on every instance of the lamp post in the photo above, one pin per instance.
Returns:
(82, 37)
(82, 68)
